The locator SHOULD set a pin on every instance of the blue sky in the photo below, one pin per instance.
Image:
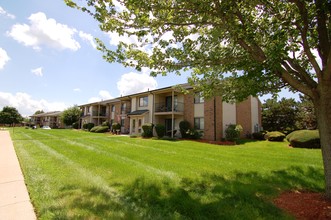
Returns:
(48, 59)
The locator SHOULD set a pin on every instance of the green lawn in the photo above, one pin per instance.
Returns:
(80, 175)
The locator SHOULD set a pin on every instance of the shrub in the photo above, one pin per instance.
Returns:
(160, 130)
(304, 139)
(75, 125)
(184, 126)
(148, 130)
(100, 129)
(275, 136)
(88, 126)
(232, 132)
(115, 126)
(105, 123)
(259, 135)
(193, 134)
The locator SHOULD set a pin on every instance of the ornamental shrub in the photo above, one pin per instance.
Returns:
(75, 125)
(115, 126)
(106, 123)
(160, 130)
(147, 130)
(193, 134)
(275, 136)
(304, 139)
(100, 129)
(184, 126)
(232, 132)
(259, 135)
(88, 126)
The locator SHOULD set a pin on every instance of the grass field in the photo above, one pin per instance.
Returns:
(79, 175)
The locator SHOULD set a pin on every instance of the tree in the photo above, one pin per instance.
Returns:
(306, 118)
(38, 112)
(279, 115)
(233, 48)
(10, 115)
(71, 115)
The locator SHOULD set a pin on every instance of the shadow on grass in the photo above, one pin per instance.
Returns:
(241, 196)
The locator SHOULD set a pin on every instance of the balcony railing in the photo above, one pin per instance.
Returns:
(163, 107)
(96, 113)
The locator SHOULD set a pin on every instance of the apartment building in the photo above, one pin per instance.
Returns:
(51, 119)
(169, 106)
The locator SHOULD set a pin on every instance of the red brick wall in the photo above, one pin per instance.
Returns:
(219, 120)
(189, 109)
(209, 119)
(244, 116)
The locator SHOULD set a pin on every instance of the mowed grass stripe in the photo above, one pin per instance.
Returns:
(212, 182)
(97, 157)
(58, 177)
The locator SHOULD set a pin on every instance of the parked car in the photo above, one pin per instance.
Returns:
(46, 127)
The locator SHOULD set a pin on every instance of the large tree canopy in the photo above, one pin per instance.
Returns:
(71, 115)
(279, 115)
(10, 115)
(258, 46)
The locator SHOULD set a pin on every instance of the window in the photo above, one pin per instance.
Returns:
(139, 123)
(199, 123)
(133, 125)
(143, 101)
(198, 98)
(113, 108)
(123, 107)
(122, 122)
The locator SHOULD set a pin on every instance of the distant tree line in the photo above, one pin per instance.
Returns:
(288, 115)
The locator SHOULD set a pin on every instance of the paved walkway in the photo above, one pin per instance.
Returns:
(14, 198)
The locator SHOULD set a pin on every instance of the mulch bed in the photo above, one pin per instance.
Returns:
(305, 205)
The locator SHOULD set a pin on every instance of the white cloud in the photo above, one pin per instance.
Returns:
(43, 31)
(4, 58)
(77, 90)
(26, 105)
(87, 37)
(115, 39)
(6, 14)
(131, 83)
(103, 95)
(38, 71)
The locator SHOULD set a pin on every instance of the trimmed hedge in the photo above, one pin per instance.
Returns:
(88, 126)
(105, 123)
(115, 126)
(148, 130)
(75, 125)
(275, 136)
(259, 135)
(232, 132)
(184, 126)
(160, 130)
(100, 129)
(304, 139)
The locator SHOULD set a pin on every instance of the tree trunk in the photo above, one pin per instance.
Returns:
(323, 113)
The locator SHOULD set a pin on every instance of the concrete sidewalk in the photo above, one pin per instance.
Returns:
(14, 198)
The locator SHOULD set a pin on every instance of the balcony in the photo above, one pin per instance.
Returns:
(163, 107)
(100, 114)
